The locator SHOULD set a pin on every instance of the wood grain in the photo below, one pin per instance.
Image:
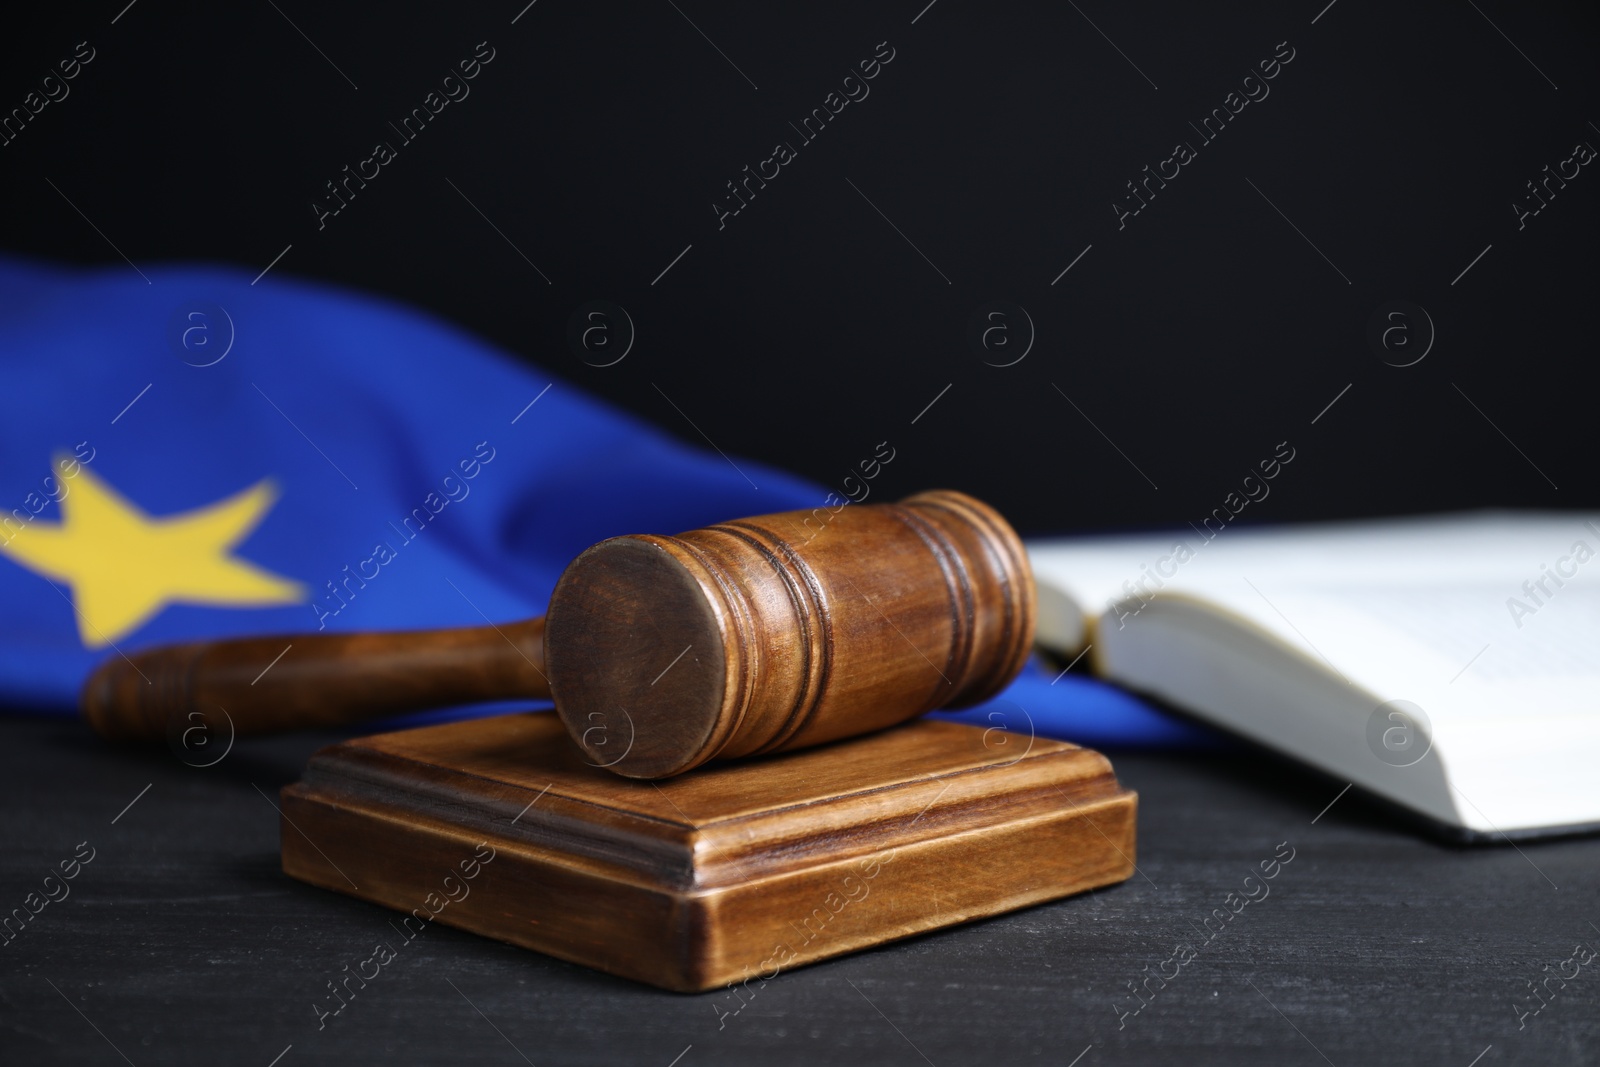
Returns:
(185, 943)
(260, 685)
(752, 636)
(782, 631)
(737, 870)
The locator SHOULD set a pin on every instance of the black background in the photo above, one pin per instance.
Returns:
(808, 330)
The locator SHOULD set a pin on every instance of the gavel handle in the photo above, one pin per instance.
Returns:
(292, 682)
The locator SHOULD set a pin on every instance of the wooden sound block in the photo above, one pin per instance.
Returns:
(737, 870)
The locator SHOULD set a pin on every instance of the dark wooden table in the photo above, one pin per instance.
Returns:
(181, 942)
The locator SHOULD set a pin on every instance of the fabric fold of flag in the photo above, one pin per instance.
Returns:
(204, 457)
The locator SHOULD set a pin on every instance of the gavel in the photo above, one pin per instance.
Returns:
(748, 637)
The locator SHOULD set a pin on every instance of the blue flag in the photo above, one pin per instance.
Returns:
(203, 456)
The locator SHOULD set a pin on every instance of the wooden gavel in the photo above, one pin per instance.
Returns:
(747, 637)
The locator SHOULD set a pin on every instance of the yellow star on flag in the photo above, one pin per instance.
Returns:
(125, 565)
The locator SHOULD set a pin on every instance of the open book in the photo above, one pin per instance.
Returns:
(1450, 664)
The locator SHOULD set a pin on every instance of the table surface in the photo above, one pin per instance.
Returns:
(181, 942)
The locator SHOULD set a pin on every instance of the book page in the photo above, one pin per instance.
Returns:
(1466, 602)
(1488, 622)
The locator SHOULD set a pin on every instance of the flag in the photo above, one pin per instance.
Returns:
(200, 455)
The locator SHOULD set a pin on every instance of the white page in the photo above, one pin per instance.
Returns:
(1412, 610)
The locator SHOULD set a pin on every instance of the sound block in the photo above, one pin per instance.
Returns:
(733, 871)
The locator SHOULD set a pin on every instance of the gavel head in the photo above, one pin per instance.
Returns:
(785, 630)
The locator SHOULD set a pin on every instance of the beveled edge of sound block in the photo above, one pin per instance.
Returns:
(738, 871)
